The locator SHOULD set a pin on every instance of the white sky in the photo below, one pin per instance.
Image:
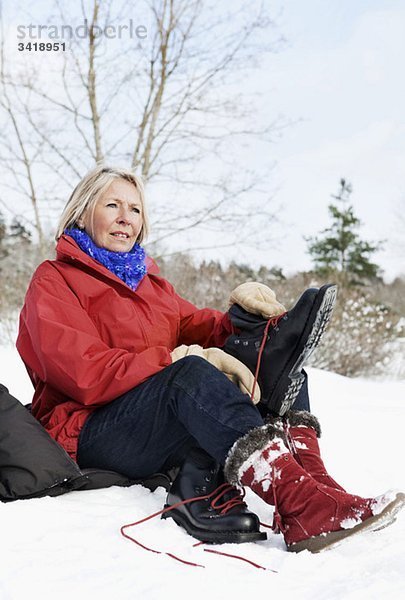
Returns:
(340, 76)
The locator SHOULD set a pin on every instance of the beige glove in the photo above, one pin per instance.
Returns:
(230, 366)
(256, 298)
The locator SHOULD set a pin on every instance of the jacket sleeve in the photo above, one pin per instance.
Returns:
(60, 344)
(205, 326)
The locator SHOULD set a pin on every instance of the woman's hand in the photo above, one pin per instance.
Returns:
(257, 299)
(235, 370)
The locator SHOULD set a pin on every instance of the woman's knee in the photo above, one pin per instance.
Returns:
(194, 373)
(195, 364)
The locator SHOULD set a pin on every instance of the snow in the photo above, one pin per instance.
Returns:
(259, 464)
(300, 445)
(71, 546)
(382, 501)
(350, 523)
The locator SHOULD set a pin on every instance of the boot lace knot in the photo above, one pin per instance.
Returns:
(226, 497)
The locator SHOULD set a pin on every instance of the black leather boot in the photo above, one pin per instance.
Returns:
(290, 342)
(222, 518)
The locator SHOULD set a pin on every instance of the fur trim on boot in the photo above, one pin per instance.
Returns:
(275, 420)
(298, 418)
(253, 441)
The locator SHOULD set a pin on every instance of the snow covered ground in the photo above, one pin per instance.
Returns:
(71, 546)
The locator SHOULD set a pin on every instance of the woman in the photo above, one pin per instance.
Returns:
(127, 376)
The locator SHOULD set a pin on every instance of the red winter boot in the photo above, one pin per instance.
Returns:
(312, 516)
(302, 430)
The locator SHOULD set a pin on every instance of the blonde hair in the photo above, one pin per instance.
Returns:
(85, 195)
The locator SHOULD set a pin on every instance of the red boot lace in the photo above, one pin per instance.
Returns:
(270, 323)
(221, 491)
(235, 500)
(216, 496)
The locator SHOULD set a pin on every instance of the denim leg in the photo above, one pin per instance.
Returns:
(302, 401)
(188, 403)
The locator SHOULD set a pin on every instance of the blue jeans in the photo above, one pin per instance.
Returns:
(152, 427)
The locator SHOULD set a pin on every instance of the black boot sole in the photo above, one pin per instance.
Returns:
(214, 537)
(292, 378)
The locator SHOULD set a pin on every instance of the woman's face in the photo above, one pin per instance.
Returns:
(117, 218)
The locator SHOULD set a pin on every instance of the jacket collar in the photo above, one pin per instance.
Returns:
(68, 251)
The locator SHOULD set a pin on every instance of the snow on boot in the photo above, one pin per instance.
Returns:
(223, 517)
(291, 339)
(302, 430)
(311, 515)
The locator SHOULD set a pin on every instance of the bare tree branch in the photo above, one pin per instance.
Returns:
(161, 105)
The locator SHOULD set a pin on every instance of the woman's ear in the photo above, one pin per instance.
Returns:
(83, 219)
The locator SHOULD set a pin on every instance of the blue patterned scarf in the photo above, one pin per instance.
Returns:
(128, 266)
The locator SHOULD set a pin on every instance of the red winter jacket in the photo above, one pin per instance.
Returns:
(85, 337)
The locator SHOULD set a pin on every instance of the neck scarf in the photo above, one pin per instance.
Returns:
(128, 266)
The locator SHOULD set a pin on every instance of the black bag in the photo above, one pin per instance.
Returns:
(33, 465)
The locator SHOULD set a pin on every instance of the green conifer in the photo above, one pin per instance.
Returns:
(339, 251)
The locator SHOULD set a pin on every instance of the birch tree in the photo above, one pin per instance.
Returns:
(173, 106)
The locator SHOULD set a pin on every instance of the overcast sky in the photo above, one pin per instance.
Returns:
(340, 77)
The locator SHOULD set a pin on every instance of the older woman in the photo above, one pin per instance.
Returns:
(129, 376)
